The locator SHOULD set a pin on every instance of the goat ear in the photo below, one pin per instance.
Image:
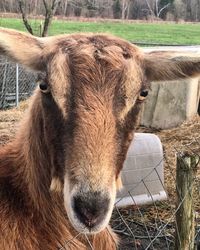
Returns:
(22, 48)
(161, 66)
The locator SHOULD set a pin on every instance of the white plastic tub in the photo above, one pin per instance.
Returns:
(143, 173)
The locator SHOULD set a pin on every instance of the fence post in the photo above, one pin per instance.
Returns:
(4, 86)
(17, 86)
(185, 174)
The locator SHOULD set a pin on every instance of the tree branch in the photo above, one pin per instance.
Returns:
(149, 7)
(164, 7)
(157, 8)
(24, 17)
(49, 13)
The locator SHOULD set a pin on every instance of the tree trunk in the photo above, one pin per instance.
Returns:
(49, 13)
(124, 8)
(24, 17)
(128, 10)
(149, 7)
(65, 7)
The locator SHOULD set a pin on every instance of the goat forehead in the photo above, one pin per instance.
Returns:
(83, 46)
(91, 52)
(99, 41)
(97, 63)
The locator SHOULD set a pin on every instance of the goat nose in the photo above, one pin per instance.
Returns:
(90, 209)
(86, 216)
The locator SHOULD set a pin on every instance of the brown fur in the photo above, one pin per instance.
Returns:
(35, 219)
(83, 126)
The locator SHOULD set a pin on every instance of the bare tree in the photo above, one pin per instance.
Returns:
(150, 7)
(49, 13)
(125, 8)
(65, 6)
(180, 10)
(50, 9)
(24, 16)
(158, 11)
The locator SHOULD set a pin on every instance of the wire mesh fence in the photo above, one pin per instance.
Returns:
(16, 83)
(153, 226)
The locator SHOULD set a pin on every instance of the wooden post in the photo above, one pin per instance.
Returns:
(185, 174)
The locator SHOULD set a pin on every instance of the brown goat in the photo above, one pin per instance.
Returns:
(58, 178)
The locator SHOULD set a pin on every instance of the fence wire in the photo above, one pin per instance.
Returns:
(16, 83)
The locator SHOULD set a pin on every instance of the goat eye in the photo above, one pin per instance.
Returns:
(143, 94)
(44, 87)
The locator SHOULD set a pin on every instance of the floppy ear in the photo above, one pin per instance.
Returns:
(22, 48)
(161, 66)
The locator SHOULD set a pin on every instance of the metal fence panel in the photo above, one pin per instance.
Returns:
(16, 83)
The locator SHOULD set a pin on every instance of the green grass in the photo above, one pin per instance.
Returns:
(164, 33)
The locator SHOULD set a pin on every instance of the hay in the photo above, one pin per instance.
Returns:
(9, 121)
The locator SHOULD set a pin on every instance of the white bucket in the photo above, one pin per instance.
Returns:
(143, 173)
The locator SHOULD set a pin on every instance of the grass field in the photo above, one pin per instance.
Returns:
(163, 33)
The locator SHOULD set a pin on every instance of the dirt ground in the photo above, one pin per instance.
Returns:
(186, 137)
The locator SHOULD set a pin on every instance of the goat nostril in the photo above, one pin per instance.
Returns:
(90, 211)
(87, 217)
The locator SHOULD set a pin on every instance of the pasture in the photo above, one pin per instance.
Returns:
(162, 33)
